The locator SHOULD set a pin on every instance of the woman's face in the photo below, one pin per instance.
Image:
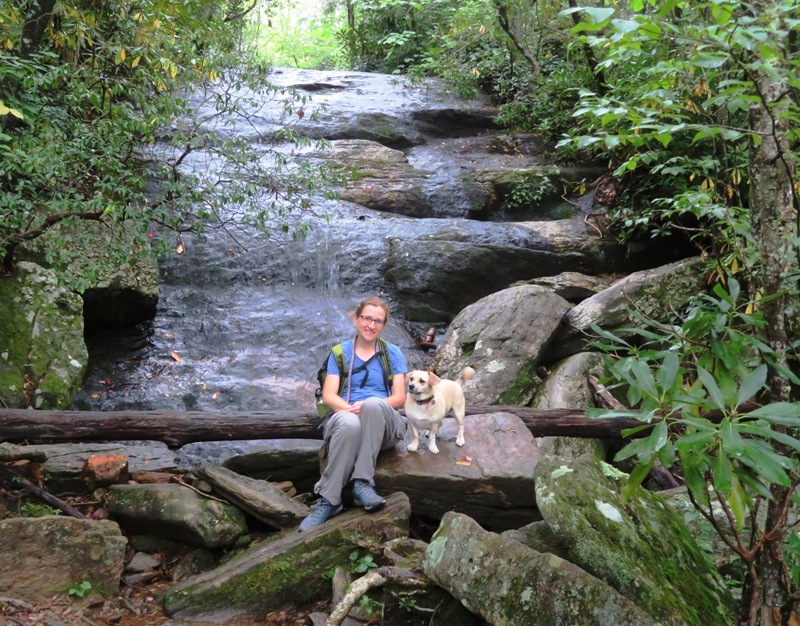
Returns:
(370, 323)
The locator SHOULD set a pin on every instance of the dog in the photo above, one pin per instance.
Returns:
(429, 399)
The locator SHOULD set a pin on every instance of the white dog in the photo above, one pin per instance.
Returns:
(429, 399)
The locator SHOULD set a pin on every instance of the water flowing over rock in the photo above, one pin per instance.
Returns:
(244, 324)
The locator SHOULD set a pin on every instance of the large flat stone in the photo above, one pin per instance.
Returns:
(490, 478)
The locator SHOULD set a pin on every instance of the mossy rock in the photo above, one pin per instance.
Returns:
(639, 547)
(43, 356)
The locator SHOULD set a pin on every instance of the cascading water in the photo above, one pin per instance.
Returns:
(244, 327)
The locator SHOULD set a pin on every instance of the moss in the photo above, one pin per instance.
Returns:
(639, 547)
(293, 578)
(524, 386)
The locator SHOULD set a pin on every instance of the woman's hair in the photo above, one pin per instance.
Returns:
(373, 301)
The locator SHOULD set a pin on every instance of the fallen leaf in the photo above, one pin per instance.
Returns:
(464, 457)
(169, 336)
(95, 395)
(152, 234)
(463, 463)
(176, 356)
(301, 114)
(205, 386)
(215, 395)
(180, 249)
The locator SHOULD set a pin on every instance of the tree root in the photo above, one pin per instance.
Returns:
(371, 580)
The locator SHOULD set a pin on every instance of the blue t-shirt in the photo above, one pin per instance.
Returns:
(369, 382)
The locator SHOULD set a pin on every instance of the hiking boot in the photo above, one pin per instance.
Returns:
(364, 495)
(320, 513)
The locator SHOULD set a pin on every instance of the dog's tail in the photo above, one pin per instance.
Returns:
(466, 374)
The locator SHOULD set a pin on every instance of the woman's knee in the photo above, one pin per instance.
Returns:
(345, 425)
(373, 406)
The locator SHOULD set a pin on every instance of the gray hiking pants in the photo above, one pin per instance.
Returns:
(353, 443)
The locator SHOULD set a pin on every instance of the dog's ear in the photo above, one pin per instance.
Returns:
(433, 379)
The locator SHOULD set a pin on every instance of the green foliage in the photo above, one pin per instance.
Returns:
(692, 384)
(675, 123)
(529, 193)
(99, 88)
(369, 606)
(33, 509)
(407, 604)
(80, 589)
(298, 34)
(361, 564)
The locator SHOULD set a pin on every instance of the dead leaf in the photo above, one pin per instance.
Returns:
(464, 457)
(180, 249)
(169, 336)
(463, 463)
(301, 114)
(215, 395)
(176, 356)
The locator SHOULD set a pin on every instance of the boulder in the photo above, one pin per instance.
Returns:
(287, 569)
(259, 498)
(574, 287)
(43, 556)
(437, 275)
(538, 536)
(176, 512)
(655, 293)
(42, 353)
(502, 337)
(639, 547)
(567, 387)
(509, 584)
(490, 478)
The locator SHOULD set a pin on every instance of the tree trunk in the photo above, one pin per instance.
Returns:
(38, 15)
(177, 429)
(773, 214)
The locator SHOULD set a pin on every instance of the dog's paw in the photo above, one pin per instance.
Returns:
(433, 449)
(412, 447)
(460, 441)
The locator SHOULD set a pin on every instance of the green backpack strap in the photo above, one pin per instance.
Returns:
(386, 362)
(341, 363)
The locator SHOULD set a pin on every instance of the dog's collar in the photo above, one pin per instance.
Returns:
(430, 400)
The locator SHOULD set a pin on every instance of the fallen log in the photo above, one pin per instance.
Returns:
(178, 428)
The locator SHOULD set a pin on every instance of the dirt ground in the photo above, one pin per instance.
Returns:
(132, 607)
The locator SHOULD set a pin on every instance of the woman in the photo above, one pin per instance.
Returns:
(365, 419)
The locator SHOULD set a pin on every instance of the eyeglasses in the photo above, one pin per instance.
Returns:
(371, 320)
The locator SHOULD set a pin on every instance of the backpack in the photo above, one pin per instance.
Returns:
(341, 363)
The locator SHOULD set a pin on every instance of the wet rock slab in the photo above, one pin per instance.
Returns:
(490, 478)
